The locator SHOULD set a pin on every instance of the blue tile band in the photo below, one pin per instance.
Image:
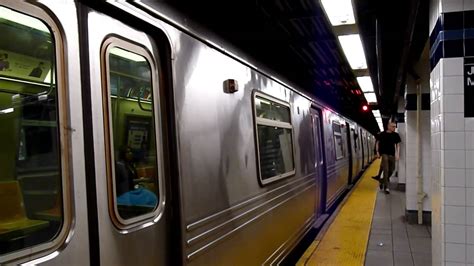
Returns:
(452, 36)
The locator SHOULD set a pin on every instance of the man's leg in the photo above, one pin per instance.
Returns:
(385, 169)
(377, 177)
(391, 168)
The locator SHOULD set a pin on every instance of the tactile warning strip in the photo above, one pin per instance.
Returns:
(345, 241)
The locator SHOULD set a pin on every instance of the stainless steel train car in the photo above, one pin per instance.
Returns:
(128, 140)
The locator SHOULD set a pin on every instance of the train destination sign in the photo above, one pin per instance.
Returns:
(468, 86)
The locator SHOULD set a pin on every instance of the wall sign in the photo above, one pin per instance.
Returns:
(468, 86)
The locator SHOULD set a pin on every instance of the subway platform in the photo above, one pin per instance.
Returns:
(369, 228)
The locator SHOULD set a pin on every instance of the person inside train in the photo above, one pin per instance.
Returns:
(4, 64)
(128, 193)
(125, 171)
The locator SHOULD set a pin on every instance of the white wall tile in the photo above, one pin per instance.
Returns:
(455, 252)
(455, 215)
(469, 124)
(455, 233)
(454, 140)
(454, 122)
(411, 203)
(452, 103)
(451, 6)
(468, 5)
(451, 66)
(470, 234)
(455, 177)
(434, 14)
(454, 196)
(470, 159)
(470, 253)
(469, 140)
(470, 197)
(470, 215)
(470, 177)
(452, 85)
(449, 263)
(454, 159)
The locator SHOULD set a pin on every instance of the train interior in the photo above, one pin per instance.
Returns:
(31, 210)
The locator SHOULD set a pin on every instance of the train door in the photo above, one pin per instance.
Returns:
(356, 154)
(350, 148)
(319, 160)
(362, 145)
(42, 180)
(126, 86)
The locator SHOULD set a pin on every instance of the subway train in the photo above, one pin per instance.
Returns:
(129, 140)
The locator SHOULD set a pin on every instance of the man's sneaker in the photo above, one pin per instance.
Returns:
(387, 191)
(376, 177)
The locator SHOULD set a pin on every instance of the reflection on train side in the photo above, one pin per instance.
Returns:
(30, 172)
(133, 134)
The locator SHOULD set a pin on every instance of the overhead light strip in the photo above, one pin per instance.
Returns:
(370, 97)
(352, 47)
(365, 84)
(339, 12)
(19, 18)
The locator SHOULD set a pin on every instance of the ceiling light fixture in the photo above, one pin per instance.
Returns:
(126, 54)
(376, 113)
(339, 12)
(365, 83)
(370, 97)
(352, 47)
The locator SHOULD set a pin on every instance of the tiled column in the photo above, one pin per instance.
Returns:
(452, 133)
(401, 129)
(422, 69)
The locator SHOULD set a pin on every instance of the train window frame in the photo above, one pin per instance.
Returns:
(141, 221)
(335, 135)
(268, 122)
(354, 139)
(59, 240)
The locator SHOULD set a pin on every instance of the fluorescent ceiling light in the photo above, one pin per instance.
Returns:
(365, 83)
(126, 54)
(25, 20)
(352, 47)
(339, 12)
(376, 113)
(370, 97)
(6, 111)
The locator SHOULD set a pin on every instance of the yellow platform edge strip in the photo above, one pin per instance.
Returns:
(345, 241)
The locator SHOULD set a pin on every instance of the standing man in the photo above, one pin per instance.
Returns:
(388, 146)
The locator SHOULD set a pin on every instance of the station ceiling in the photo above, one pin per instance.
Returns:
(295, 39)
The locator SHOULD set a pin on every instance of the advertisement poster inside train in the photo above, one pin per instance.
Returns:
(24, 67)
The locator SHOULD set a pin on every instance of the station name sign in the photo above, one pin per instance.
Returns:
(468, 86)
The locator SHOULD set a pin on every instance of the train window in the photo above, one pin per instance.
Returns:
(132, 139)
(338, 143)
(31, 200)
(274, 138)
(355, 137)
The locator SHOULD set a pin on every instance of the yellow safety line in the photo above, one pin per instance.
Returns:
(345, 242)
(307, 254)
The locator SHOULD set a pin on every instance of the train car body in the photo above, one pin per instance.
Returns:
(229, 164)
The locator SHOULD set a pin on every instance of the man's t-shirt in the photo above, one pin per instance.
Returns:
(387, 142)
